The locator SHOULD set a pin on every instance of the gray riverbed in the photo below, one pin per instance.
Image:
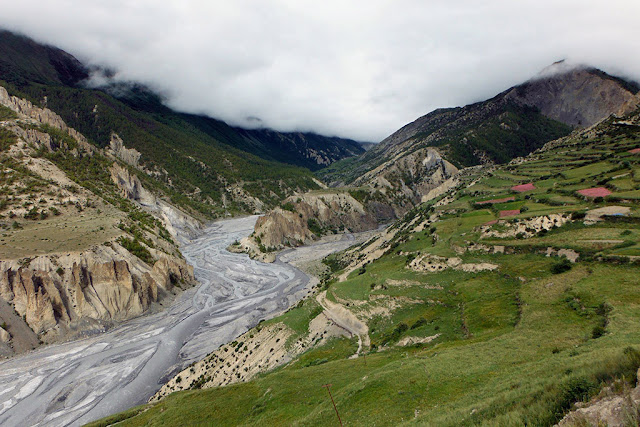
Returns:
(80, 381)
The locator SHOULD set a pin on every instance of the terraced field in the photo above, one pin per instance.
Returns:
(472, 318)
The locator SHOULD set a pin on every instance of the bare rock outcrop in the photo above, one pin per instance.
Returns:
(309, 216)
(179, 224)
(35, 137)
(429, 263)
(130, 186)
(4, 336)
(130, 156)
(608, 408)
(409, 176)
(526, 227)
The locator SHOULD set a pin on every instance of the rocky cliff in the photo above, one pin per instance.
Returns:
(406, 178)
(43, 116)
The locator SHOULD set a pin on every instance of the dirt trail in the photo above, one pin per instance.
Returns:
(344, 318)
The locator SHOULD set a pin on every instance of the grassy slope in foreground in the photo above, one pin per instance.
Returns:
(517, 345)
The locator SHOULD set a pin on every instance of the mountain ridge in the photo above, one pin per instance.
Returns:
(544, 107)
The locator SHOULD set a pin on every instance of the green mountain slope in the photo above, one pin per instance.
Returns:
(486, 305)
(23, 61)
(305, 149)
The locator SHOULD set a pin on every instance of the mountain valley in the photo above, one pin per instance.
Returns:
(479, 266)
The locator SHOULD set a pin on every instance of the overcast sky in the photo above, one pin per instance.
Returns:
(358, 69)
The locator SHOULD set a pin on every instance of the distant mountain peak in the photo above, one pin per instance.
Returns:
(574, 93)
(563, 66)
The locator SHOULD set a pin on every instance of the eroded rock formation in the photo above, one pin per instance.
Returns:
(130, 156)
(309, 216)
(43, 116)
(105, 283)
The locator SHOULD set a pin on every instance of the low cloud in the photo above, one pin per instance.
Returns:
(358, 69)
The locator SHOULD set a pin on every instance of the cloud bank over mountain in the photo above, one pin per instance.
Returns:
(358, 69)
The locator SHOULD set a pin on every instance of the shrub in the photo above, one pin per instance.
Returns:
(316, 362)
(136, 248)
(420, 322)
(401, 328)
(410, 258)
(288, 207)
(603, 309)
(397, 332)
(578, 215)
(32, 214)
(561, 267)
(314, 226)
(597, 331)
